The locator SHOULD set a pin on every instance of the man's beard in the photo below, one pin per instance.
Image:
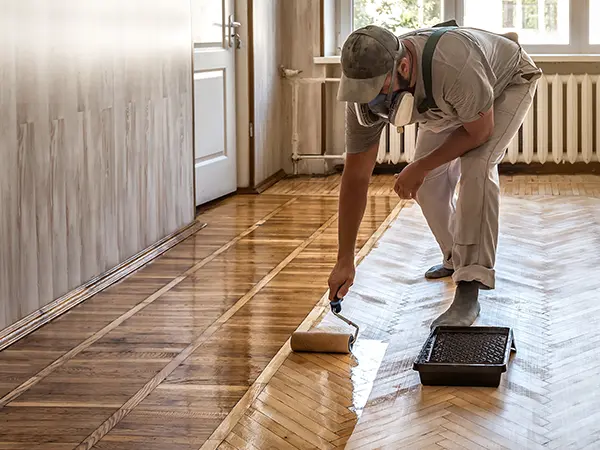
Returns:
(403, 83)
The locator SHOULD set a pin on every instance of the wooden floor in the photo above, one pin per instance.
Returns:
(192, 351)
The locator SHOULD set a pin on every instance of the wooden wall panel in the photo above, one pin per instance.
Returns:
(95, 135)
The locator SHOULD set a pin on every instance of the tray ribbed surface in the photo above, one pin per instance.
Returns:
(465, 348)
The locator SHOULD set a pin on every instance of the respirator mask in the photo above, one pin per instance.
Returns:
(395, 107)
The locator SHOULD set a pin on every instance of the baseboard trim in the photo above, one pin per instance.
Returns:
(549, 168)
(264, 185)
(52, 310)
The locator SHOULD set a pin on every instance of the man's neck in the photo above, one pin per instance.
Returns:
(413, 62)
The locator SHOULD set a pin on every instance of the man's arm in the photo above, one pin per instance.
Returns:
(353, 199)
(352, 204)
(362, 144)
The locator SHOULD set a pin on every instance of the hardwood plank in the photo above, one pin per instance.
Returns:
(307, 422)
(267, 423)
(254, 434)
(457, 439)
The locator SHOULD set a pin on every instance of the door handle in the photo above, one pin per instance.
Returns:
(233, 36)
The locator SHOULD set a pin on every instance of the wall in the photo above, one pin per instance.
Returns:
(302, 42)
(268, 48)
(286, 33)
(95, 133)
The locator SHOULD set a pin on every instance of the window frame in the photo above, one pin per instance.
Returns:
(454, 9)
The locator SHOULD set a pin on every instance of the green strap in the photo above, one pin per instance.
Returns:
(429, 102)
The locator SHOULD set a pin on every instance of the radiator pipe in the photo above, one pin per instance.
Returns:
(292, 76)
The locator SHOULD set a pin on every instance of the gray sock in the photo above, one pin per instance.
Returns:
(438, 271)
(465, 306)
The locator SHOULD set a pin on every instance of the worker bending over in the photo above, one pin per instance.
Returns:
(469, 90)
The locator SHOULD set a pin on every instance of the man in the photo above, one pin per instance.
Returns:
(480, 87)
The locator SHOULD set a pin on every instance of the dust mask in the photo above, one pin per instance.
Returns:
(401, 111)
(397, 109)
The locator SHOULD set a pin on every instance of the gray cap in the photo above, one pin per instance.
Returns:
(367, 57)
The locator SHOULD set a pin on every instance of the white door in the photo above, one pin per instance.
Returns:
(214, 30)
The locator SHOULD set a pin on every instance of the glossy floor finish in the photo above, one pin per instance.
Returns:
(546, 291)
(159, 360)
(192, 351)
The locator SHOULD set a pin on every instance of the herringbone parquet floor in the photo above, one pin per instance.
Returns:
(548, 285)
(192, 351)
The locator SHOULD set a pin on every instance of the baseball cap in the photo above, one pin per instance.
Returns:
(367, 58)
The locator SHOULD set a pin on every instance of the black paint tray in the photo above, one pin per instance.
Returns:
(465, 356)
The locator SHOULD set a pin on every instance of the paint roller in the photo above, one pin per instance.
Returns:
(323, 341)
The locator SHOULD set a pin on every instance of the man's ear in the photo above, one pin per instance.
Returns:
(404, 67)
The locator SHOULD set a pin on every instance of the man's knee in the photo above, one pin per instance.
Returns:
(478, 195)
(439, 183)
(474, 169)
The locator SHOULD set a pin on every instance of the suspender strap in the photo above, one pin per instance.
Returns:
(429, 102)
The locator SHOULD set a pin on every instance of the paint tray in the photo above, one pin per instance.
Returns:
(465, 356)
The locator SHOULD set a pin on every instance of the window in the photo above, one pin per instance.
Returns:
(508, 13)
(594, 27)
(398, 16)
(538, 22)
(544, 26)
(551, 15)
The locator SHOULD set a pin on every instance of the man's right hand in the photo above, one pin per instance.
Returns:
(341, 279)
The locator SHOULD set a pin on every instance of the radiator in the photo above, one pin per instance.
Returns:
(560, 126)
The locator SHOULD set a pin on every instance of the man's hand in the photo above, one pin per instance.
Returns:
(410, 180)
(341, 279)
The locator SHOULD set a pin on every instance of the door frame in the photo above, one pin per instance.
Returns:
(244, 11)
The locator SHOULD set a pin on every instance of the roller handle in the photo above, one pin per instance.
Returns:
(336, 305)
(336, 308)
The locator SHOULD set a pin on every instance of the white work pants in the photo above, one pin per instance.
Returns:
(467, 230)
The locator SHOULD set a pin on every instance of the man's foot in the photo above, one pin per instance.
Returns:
(464, 309)
(438, 271)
